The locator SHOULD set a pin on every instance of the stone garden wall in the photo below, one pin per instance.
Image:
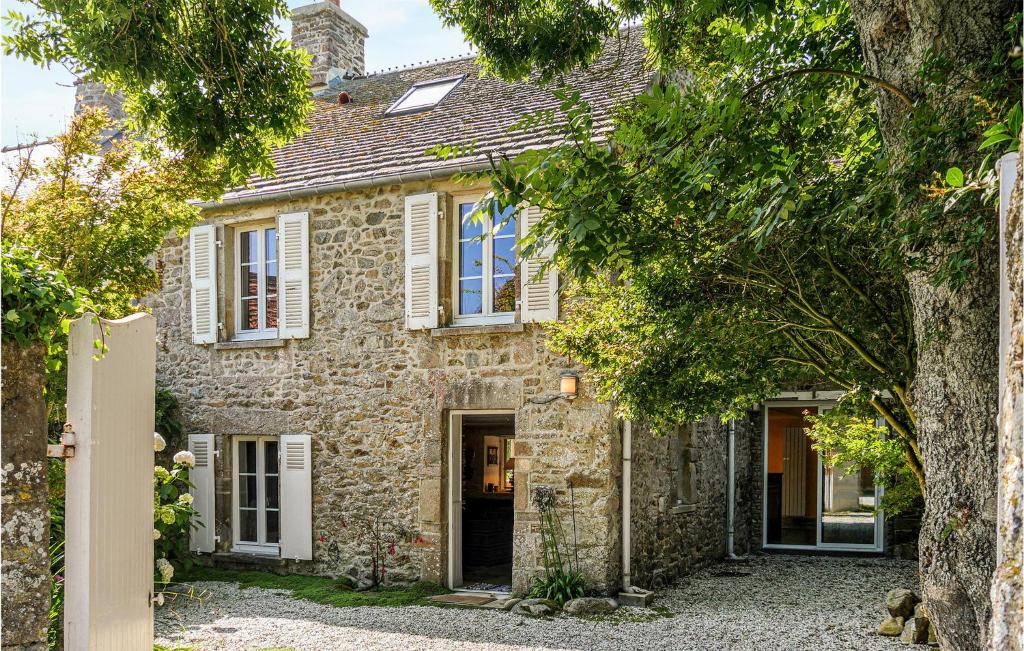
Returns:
(376, 398)
(678, 500)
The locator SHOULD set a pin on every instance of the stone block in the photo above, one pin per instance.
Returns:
(430, 500)
(636, 599)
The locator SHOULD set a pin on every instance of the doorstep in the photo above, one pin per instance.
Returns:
(494, 601)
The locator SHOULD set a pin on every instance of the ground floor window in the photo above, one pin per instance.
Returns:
(257, 495)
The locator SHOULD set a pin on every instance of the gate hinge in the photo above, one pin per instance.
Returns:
(66, 448)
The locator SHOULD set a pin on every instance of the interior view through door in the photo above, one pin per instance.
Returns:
(806, 503)
(488, 483)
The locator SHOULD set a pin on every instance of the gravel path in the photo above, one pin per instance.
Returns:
(786, 602)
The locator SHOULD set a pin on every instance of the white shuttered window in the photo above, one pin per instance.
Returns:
(202, 243)
(421, 282)
(293, 257)
(201, 538)
(296, 497)
(539, 292)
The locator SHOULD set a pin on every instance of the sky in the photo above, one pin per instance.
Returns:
(37, 102)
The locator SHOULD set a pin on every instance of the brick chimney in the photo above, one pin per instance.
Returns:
(90, 94)
(334, 39)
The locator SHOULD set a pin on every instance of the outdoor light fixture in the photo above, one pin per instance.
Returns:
(568, 385)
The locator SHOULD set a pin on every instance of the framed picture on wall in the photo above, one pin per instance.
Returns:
(492, 455)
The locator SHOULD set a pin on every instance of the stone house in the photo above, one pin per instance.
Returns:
(348, 348)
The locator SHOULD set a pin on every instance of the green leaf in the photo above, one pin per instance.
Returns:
(955, 177)
(995, 139)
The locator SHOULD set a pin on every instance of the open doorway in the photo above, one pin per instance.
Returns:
(483, 512)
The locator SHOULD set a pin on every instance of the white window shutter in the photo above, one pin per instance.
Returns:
(202, 244)
(539, 296)
(293, 283)
(296, 470)
(201, 538)
(421, 300)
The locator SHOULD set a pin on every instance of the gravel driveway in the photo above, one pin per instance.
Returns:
(785, 602)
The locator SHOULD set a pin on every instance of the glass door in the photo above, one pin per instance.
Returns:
(808, 505)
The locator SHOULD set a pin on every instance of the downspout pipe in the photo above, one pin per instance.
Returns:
(730, 498)
(627, 493)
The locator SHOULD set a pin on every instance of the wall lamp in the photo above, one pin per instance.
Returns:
(568, 385)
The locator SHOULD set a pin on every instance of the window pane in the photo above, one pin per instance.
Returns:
(273, 493)
(270, 457)
(470, 226)
(505, 294)
(247, 457)
(247, 242)
(502, 226)
(247, 525)
(471, 258)
(247, 491)
(273, 527)
(272, 311)
(471, 296)
(250, 314)
(504, 256)
(271, 250)
(248, 280)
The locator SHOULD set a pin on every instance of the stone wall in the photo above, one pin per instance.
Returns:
(25, 541)
(92, 94)
(332, 37)
(376, 397)
(678, 501)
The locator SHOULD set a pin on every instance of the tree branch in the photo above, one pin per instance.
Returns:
(881, 83)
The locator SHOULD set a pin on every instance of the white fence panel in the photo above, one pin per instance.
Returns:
(109, 503)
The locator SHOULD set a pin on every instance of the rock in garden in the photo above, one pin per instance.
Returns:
(915, 631)
(932, 640)
(891, 627)
(901, 602)
(590, 606)
(536, 608)
(920, 611)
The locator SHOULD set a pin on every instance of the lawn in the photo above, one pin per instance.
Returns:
(322, 590)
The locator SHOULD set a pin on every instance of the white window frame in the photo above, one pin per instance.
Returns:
(261, 546)
(261, 291)
(487, 315)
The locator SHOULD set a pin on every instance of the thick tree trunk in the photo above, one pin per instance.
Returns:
(955, 390)
(25, 542)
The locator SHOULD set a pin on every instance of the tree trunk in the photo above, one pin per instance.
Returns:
(25, 542)
(1007, 633)
(955, 391)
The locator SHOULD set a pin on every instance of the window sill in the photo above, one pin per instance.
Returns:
(488, 329)
(240, 344)
(679, 509)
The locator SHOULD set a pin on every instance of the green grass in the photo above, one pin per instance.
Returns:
(320, 589)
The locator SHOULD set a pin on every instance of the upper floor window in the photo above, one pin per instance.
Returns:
(485, 263)
(424, 95)
(256, 282)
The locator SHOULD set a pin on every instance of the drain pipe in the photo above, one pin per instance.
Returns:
(730, 499)
(627, 486)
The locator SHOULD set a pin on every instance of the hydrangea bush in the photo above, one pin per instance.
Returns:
(173, 514)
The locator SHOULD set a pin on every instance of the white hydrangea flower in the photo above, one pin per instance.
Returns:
(158, 442)
(165, 568)
(185, 457)
(156, 534)
(185, 498)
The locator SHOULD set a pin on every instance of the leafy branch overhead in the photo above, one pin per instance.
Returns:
(213, 80)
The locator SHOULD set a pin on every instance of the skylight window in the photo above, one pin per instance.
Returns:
(424, 95)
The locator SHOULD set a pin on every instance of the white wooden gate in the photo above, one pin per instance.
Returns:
(109, 504)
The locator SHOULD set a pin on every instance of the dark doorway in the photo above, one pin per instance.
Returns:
(488, 517)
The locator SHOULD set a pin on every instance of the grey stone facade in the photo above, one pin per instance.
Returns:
(332, 37)
(375, 398)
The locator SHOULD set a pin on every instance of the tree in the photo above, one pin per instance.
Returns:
(937, 84)
(211, 80)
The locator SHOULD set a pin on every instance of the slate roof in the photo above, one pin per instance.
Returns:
(357, 144)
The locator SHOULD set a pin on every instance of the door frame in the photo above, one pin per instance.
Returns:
(819, 404)
(453, 576)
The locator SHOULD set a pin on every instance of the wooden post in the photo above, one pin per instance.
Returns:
(109, 508)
